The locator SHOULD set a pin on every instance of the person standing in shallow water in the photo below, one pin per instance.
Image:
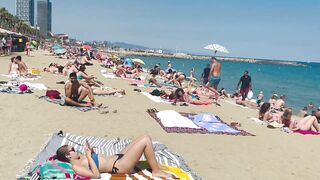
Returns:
(246, 84)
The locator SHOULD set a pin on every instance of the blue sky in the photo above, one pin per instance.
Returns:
(286, 29)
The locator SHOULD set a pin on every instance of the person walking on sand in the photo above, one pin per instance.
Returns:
(76, 91)
(246, 84)
(214, 78)
(214, 75)
(28, 48)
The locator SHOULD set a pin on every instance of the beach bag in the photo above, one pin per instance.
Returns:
(250, 95)
(53, 94)
(155, 92)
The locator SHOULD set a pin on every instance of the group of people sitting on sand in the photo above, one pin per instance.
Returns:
(308, 122)
(168, 76)
(77, 90)
(132, 72)
(80, 84)
(18, 68)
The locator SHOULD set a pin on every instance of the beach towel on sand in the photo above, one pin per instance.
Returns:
(103, 146)
(109, 76)
(156, 99)
(14, 77)
(204, 123)
(62, 103)
(4, 88)
(307, 132)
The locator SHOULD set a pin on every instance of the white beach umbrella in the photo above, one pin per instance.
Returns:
(216, 48)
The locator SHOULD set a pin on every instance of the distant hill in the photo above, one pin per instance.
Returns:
(127, 45)
(135, 46)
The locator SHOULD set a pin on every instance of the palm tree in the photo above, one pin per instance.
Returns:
(9, 21)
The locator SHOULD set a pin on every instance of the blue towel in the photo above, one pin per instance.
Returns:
(212, 123)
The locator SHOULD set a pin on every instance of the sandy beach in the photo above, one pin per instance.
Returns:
(26, 123)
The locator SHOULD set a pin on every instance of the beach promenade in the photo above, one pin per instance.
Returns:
(26, 123)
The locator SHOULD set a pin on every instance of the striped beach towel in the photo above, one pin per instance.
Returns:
(107, 147)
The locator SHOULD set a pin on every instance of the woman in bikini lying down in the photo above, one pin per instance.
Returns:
(308, 123)
(107, 91)
(91, 164)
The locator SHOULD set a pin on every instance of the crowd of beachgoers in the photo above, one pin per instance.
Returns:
(170, 85)
(176, 88)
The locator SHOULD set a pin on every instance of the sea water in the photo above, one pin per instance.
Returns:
(299, 84)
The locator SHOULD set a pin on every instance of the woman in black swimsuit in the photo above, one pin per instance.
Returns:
(91, 164)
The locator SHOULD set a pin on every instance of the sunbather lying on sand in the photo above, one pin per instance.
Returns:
(54, 68)
(239, 100)
(107, 91)
(307, 123)
(91, 164)
(182, 96)
(76, 91)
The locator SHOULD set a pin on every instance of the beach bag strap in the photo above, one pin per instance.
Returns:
(54, 163)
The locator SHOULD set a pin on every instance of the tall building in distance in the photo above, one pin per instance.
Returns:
(44, 17)
(25, 11)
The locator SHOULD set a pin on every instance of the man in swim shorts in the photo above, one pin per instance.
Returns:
(214, 77)
(76, 91)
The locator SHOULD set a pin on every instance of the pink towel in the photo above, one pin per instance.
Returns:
(307, 132)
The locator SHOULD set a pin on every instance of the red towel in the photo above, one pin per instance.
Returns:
(307, 132)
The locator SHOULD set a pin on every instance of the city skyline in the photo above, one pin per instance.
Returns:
(265, 29)
(44, 14)
(25, 11)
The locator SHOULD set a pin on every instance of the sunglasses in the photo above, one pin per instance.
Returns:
(72, 149)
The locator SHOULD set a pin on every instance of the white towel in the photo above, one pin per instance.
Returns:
(258, 121)
(156, 99)
(170, 118)
(110, 76)
(14, 77)
(37, 86)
